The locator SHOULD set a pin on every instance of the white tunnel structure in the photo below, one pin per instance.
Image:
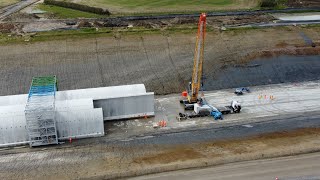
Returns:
(78, 113)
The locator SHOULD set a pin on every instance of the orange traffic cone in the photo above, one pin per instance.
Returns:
(184, 94)
(162, 123)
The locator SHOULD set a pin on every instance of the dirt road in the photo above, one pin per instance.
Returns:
(15, 8)
(303, 167)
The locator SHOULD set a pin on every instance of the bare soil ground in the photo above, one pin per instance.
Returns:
(7, 27)
(103, 161)
(24, 21)
(232, 147)
(303, 3)
(21, 17)
(4, 3)
(215, 22)
(163, 62)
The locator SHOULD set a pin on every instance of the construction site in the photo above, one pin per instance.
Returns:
(127, 96)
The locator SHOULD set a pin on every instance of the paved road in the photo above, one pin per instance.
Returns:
(303, 167)
(15, 8)
(280, 23)
(218, 132)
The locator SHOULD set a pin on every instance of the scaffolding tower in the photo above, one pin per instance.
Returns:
(40, 111)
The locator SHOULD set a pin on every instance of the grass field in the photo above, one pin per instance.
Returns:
(64, 13)
(7, 2)
(162, 6)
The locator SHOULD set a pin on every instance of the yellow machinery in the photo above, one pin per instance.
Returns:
(195, 84)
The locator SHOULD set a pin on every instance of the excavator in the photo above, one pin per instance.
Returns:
(193, 101)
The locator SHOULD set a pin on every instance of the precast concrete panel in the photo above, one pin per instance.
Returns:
(102, 92)
(11, 109)
(126, 107)
(14, 100)
(93, 93)
(77, 104)
(79, 123)
(12, 126)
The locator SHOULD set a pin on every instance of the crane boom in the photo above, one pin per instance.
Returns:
(198, 60)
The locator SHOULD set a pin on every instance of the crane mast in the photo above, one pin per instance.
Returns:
(198, 61)
(193, 102)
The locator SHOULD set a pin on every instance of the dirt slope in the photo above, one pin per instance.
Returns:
(162, 62)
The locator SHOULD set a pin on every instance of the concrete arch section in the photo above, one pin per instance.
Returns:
(102, 92)
(13, 126)
(134, 106)
(78, 113)
(20, 99)
(94, 93)
(74, 119)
